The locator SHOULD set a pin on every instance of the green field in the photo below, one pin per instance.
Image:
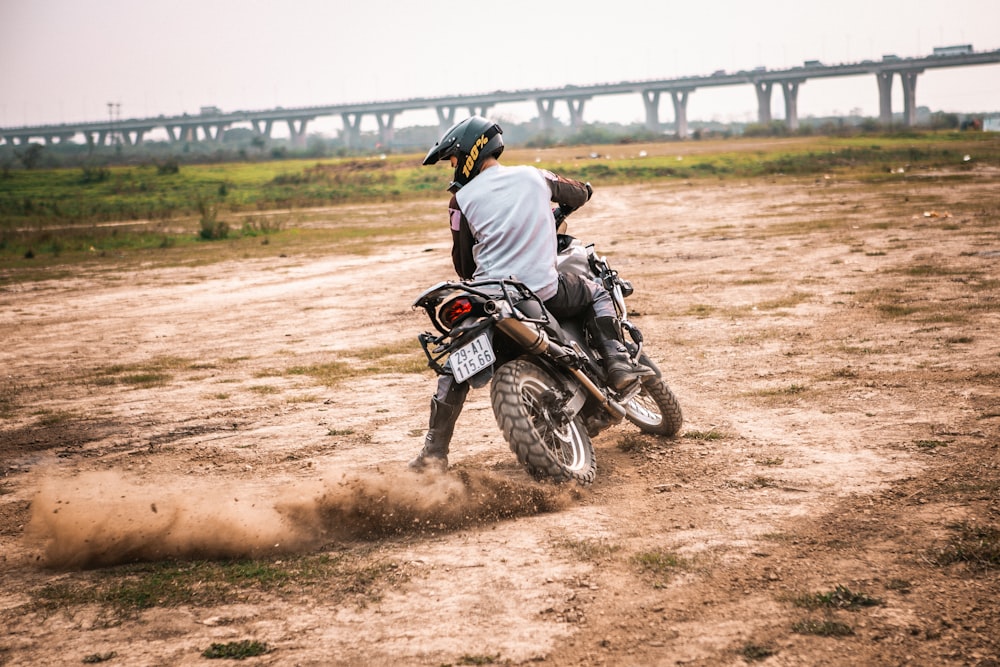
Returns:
(58, 216)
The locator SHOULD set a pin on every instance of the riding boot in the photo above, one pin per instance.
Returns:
(618, 365)
(441, 426)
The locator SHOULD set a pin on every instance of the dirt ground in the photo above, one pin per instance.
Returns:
(831, 500)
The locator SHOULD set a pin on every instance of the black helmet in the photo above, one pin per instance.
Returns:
(471, 141)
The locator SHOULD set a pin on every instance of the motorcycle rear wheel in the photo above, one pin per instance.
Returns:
(655, 409)
(544, 442)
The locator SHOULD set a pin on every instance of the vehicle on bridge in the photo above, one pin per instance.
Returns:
(956, 50)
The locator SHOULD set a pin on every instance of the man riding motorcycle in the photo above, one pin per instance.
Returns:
(502, 226)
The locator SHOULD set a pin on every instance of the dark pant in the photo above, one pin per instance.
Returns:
(577, 294)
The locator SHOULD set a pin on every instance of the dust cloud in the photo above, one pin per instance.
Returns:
(104, 518)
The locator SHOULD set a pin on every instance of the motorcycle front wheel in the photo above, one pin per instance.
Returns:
(527, 408)
(655, 409)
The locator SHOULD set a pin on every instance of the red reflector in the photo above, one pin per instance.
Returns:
(455, 310)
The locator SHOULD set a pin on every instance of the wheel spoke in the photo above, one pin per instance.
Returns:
(561, 442)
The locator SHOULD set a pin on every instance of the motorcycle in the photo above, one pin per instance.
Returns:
(548, 387)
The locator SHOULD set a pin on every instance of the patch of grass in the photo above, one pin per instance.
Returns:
(745, 339)
(401, 357)
(861, 350)
(126, 590)
(972, 485)
(788, 301)
(941, 317)
(662, 565)
(479, 659)
(756, 482)
(241, 650)
(840, 597)
(895, 309)
(9, 392)
(151, 373)
(145, 379)
(264, 389)
(771, 461)
(631, 442)
(203, 366)
(380, 352)
(930, 270)
(95, 658)
(54, 417)
(756, 280)
(899, 585)
(930, 444)
(590, 549)
(704, 435)
(755, 652)
(822, 628)
(341, 431)
(790, 390)
(303, 398)
(978, 546)
(699, 310)
(959, 340)
(329, 373)
(408, 363)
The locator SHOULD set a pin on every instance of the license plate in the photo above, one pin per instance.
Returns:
(469, 359)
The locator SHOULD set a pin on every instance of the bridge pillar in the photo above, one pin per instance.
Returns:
(481, 110)
(763, 89)
(352, 128)
(884, 79)
(180, 133)
(576, 111)
(264, 131)
(446, 118)
(651, 100)
(297, 130)
(680, 99)
(791, 92)
(545, 115)
(385, 129)
(909, 79)
(215, 132)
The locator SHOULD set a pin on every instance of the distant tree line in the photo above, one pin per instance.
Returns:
(242, 144)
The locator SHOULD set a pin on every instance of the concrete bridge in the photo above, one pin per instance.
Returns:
(211, 123)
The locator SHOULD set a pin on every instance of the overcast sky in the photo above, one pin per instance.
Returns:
(64, 60)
